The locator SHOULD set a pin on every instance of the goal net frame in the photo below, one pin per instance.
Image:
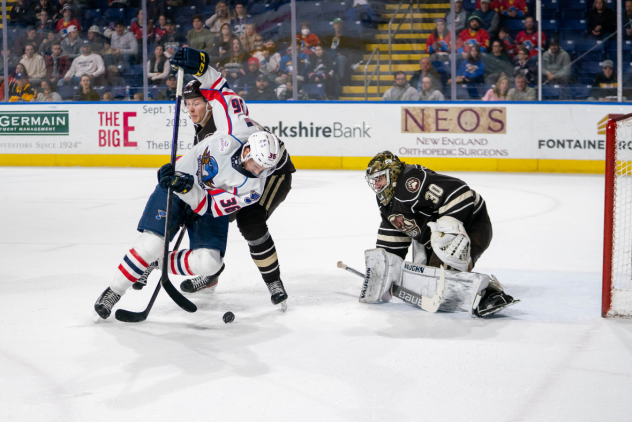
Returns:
(617, 250)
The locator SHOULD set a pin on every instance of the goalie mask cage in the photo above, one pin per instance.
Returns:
(617, 251)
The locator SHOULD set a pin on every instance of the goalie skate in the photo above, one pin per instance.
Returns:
(494, 303)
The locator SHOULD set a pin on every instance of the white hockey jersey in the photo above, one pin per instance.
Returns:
(222, 185)
(230, 112)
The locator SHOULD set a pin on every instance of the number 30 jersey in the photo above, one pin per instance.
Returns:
(222, 185)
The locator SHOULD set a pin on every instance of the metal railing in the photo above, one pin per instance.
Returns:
(391, 35)
(377, 69)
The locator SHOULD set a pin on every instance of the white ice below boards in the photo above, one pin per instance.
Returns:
(329, 357)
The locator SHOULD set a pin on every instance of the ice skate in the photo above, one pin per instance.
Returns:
(201, 282)
(142, 281)
(106, 302)
(278, 295)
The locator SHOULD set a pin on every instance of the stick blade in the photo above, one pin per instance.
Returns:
(128, 316)
(177, 297)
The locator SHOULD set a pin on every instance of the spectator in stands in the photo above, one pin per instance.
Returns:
(361, 11)
(158, 67)
(233, 64)
(306, 40)
(258, 44)
(345, 52)
(31, 37)
(247, 81)
(137, 27)
(68, 20)
(170, 93)
(248, 38)
(490, 20)
(471, 36)
(222, 44)
(45, 24)
(269, 60)
(11, 79)
(529, 37)
(172, 40)
(514, 9)
(88, 64)
(34, 64)
(45, 47)
(139, 96)
(500, 91)
(521, 92)
(401, 90)
(526, 67)
(21, 90)
(510, 44)
(262, 91)
(426, 69)
(601, 20)
(45, 5)
(72, 44)
(57, 64)
(96, 39)
(161, 28)
(471, 70)
(86, 92)
(605, 84)
(428, 91)
(461, 17)
(320, 71)
(124, 44)
(46, 93)
(438, 43)
(156, 9)
(108, 96)
(221, 16)
(12, 60)
(627, 20)
(556, 62)
(285, 92)
(199, 37)
(22, 14)
(285, 71)
(117, 4)
(497, 64)
(240, 19)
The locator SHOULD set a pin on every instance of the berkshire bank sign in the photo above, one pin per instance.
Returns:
(34, 123)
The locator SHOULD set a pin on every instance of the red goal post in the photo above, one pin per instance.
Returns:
(617, 250)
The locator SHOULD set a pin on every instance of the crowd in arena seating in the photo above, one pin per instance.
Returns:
(498, 46)
(90, 50)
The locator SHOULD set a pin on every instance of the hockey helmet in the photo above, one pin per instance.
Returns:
(192, 90)
(382, 174)
(265, 149)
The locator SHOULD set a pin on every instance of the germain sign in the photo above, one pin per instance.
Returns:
(34, 123)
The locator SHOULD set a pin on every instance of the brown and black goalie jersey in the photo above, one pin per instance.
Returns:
(423, 196)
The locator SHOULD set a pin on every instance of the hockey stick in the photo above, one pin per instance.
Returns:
(425, 303)
(128, 316)
(173, 293)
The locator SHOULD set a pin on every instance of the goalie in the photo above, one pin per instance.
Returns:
(449, 229)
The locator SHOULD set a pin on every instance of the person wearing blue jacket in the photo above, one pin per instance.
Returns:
(471, 70)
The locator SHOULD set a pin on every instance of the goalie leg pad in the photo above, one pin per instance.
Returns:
(419, 253)
(382, 269)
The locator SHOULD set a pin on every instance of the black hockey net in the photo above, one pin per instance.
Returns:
(617, 274)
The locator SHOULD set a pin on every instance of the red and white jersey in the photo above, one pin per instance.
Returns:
(230, 112)
(222, 185)
(530, 40)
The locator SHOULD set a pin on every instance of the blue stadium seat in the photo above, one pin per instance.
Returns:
(469, 5)
(257, 9)
(184, 11)
(153, 91)
(585, 45)
(182, 21)
(549, 25)
(514, 24)
(67, 92)
(568, 46)
(93, 13)
(100, 90)
(314, 91)
(549, 5)
(573, 5)
(573, 14)
(549, 14)
(322, 28)
(332, 11)
(131, 12)
(101, 4)
(312, 9)
(573, 25)
(552, 92)
(577, 92)
(589, 67)
(115, 14)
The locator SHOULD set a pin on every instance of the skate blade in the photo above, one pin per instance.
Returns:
(497, 309)
(283, 305)
(96, 318)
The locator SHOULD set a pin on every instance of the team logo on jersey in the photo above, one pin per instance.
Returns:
(254, 197)
(223, 144)
(207, 169)
(161, 214)
(405, 225)
(413, 184)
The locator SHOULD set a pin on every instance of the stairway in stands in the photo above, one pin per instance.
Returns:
(407, 48)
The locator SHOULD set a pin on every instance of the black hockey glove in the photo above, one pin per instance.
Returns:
(165, 172)
(190, 60)
(181, 182)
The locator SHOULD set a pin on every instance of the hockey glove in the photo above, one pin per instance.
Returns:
(190, 60)
(164, 175)
(181, 182)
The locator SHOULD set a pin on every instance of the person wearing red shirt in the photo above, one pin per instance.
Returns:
(513, 8)
(473, 35)
(529, 37)
(438, 43)
(67, 20)
(306, 39)
(495, 5)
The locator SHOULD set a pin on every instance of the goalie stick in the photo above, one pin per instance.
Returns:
(128, 316)
(425, 303)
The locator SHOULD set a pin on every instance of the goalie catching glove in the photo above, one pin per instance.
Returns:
(450, 243)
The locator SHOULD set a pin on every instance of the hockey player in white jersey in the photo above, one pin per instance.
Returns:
(217, 177)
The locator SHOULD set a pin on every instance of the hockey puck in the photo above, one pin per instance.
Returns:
(228, 317)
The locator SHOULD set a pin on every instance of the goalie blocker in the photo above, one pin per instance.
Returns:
(431, 288)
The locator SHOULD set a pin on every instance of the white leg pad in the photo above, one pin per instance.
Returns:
(382, 269)
(419, 253)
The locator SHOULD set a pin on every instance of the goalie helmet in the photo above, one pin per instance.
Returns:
(382, 174)
(265, 149)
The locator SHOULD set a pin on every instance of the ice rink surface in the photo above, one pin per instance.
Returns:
(329, 358)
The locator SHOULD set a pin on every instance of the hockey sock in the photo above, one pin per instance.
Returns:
(190, 262)
(147, 248)
(264, 255)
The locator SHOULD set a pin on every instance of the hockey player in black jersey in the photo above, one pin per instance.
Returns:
(441, 216)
